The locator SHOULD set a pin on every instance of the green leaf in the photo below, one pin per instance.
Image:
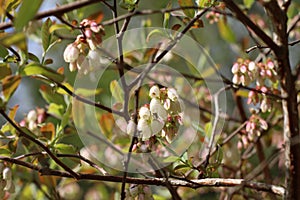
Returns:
(226, 32)
(56, 110)
(3, 51)
(187, 3)
(167, 16)
(17, 39)
(155, 32)
(55, 27)
(65, 148)
(116, 91)
(46, 36)
(38, 69)
(9, 86)
(242, 93)
(4, 70)
(51, 96)
(208, 128)
(128, 4)
(33, 57)
(66, 117)
(26, 13)
(171, 159)
(248, 3)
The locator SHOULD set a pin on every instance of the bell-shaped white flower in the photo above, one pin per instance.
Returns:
(32, 116)
(158, 109)
(172, 94)
(144, 113)
(154, 92)
(131, 126)
(71, 53)
(144, 129)
(7, 176)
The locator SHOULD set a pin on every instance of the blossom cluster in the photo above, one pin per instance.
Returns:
(33, 118)
(161, 117)
(90, 39)
(140, 192)
(262, 74)
(6, 184)
(253, 128)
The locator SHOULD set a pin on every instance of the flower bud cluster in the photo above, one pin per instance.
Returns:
(6, 184)
(33, 118)
(140, 192)
(254, 126)
(262, 74)
(213, 17)
(76, 52)
(162, 116)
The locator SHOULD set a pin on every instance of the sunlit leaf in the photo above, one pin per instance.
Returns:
(68, 86)
(167, 16)
(226, 32)
(55, 27)
(48, 130)
(26, 13)
(107, 123)
(242, 93)
(128, 4)
(248, 3)
(9, 85)
(4, 70)
(116, 91)
(88, 92)
(38, 69)
(56, 110)
(16, 39)
(7, 127)
(187, 3)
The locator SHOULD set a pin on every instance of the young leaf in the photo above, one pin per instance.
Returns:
(9, 86)
(26, 13)
(46, 36)
(48, 131)
(116, 91)
(187, 3)
(248, 3)
(171, 159)
(17, 39)
(38, 69)
(50, 96)
(128, 4)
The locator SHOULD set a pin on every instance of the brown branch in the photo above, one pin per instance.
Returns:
(209, 182)
(56, 11)
(240, 15)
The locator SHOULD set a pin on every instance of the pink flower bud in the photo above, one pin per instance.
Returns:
(88, 33)
(235, 79)
(270, 65)
(251, 66)
(243, 69)
(235, 68)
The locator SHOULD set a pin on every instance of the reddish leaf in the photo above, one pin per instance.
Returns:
(9, 85)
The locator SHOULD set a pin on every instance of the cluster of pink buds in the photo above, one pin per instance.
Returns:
(90, 39)
(213, 17)
(6, 184)
(254, 126)
(33, 118)
(140, 192)
(262, 74)
(162, 116)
